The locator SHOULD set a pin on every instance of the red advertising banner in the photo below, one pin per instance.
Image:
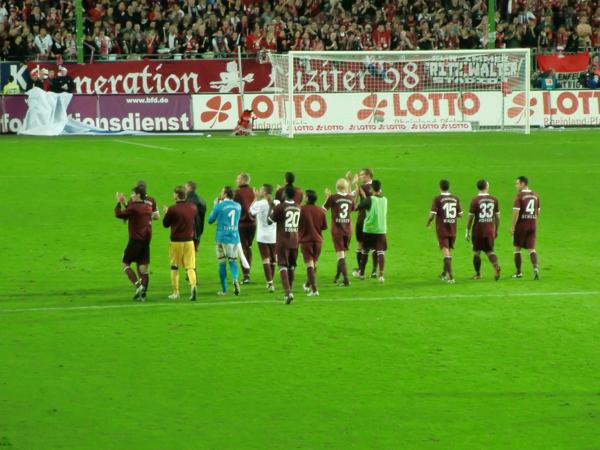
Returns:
(578, 62)
(167, 77)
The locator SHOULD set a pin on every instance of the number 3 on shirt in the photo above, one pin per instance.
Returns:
(486, 210)
(344, 211)
(292, 218)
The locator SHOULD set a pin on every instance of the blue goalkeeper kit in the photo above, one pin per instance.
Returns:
(227, 215)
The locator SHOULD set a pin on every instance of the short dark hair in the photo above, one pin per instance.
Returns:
(311, 196)
(11, 78)
(192, 185)
(289, 178)
(376, 185)
(444, 185)
(290, 192)
(180, 191)
(143, 184)
(228, 192)
(482, 184)
(268, 188)
(523, 180)
(140, 190)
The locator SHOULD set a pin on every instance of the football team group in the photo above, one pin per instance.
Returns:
(286, 219)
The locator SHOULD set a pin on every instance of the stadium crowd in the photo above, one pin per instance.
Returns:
(34, 29)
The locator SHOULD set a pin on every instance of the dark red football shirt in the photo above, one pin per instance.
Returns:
(287, 217)
(527, 203)
(341, 205)
(297, 196)
(139, 217)
(484, 208)
(312, 223)
(148, 200)
(244, 195)
(180, 217)
(446, 208)
(362, 213)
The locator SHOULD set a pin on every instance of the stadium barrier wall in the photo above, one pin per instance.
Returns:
(324, 113)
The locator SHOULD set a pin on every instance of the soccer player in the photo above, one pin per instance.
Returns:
(226, 214)
(374, 227)
(149, 200)
(310, 230)
(180, 218)
(445, 209)
(484, 218)
(365, 176)
(138, 215)
(341, 205)
(266, 233)
(526, 209)
(192, 197)
(289, 179)
(287, 217)
(244, 195)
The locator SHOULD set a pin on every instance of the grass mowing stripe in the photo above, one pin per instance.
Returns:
(138, 144)
(332, 300)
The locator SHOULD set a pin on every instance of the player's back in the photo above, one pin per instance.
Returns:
(280, 194)
(341, 205)
(139, 221)
(265, 232)
(180, 217)
(447, 210)
(287, 217)
(527, 202)
(228, 217)
(484, 208)
(244, 195)
(312, 222)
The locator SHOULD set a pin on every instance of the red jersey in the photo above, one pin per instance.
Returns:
(180, 217)
(484, 208)
(138, 216)
(341, 205)
(446, 208)
(244, 195)
(527, 203)
(312, 223)
(287, 217)
(297, 196)
(368, 188)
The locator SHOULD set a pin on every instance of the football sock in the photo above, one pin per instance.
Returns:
(129, 273)
(518, 261)
(342, 269)
(381, 262)
(291, 273)
(374, 257)
(285, 281)
(233, 267)
(358, 258)
(145, 279)
(477, 264)
(223, 276)
(534, 261)
(268, 273)
(364, 257)
(248, 253)
(493, 259)
(191, 274)
(273, 268)
(310, 272)
(448, 266)
(175, 279)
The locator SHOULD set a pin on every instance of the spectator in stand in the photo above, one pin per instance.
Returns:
(584, 33)
(43, 43)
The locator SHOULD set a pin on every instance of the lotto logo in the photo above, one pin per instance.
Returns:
(216, 111)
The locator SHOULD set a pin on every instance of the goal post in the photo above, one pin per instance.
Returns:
(387, 91)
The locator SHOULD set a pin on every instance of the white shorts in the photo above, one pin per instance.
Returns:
(227, 251)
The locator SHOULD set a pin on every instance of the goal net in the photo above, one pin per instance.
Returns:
(390, 92)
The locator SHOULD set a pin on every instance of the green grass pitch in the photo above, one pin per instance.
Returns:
(411, 364)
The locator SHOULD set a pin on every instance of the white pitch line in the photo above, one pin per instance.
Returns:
(314, 302)
(157, 147)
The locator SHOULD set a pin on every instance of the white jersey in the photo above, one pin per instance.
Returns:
(265, 233)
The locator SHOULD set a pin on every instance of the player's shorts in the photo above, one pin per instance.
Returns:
(377, 242)
(247, 232)
(341, 243)
(483, 243)
(446, 241)
(524, 239)
(267, 251)
(359, 231)
(286, 257)
(137, 252)
(182, 254)
(226, 251)
(311, 251)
